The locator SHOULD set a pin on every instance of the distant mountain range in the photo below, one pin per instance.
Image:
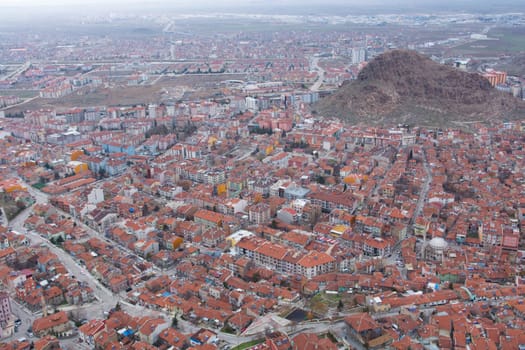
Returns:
(403, 86)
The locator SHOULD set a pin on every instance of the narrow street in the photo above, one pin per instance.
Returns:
(106, 299)
(424, 190)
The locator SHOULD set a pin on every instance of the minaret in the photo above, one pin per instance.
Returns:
(43, 303)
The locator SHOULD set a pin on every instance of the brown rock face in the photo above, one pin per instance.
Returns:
(406, 87)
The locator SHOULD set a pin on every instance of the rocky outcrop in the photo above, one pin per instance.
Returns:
(402, 86)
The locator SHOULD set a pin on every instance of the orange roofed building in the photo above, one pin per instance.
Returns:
(285, 260)
(310, 341)
(56, 324)
(367, 331)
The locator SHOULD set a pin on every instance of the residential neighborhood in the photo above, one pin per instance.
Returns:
(225, 212)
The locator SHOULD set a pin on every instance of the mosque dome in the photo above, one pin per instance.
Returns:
(438, 243)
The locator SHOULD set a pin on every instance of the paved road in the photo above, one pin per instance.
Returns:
(21, 69)
(20, 103)
(320, 75)
(25, 316)
(107, 300)
(425, 188)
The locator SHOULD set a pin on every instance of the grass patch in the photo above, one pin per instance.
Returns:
(322, 302)
(513, 39)
(248, 344)
(330, 299)
(39, 185)
(228, 329)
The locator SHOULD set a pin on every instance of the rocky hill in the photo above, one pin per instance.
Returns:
(406, 87)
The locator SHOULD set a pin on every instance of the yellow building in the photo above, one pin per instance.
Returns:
(11, 185)
(75, 154)
(221, 188)
(77, 167)
(177, 242)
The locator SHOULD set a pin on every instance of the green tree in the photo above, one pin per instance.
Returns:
(340, 305)
(101, 172)
(59, 240)
(256, 277)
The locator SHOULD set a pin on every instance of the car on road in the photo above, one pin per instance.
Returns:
(18, 322)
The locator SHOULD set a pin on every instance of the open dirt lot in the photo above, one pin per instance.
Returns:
(167, 88)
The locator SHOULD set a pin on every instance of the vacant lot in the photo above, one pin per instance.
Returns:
(322, 302)
(507, 41)
(168, 87)
(19, 93)
(514, 65)
(11, 208)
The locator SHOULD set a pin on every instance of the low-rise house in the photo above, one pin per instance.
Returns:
(146, 248)
(203, 336)
(278, 341)
(240, 321)
(118, 283)
(48, 342)
(151, 328)
(88, 331)
(173, 338)
(310, 341)
(363, 328)
(56, 324)
(104, 338)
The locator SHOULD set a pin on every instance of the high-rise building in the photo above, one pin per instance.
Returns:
(252, 104)
(5, 308)
(358, 55)
(152, 111)
(495, 77)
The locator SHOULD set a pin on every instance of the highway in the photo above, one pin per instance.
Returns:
(18, 71)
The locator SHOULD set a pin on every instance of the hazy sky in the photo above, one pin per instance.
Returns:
(342, 7)
(173, 3)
